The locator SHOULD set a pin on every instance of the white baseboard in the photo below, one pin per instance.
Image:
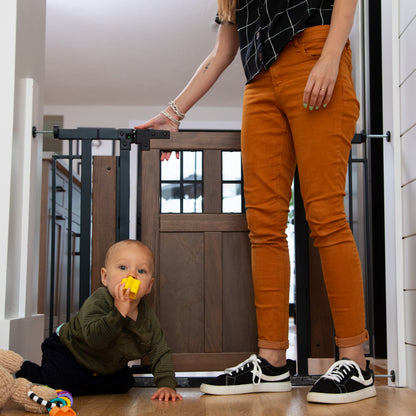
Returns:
(24, 336)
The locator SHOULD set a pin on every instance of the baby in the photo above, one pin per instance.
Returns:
(89, 354)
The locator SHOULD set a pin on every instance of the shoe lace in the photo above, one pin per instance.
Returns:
(340, 370)
(254, 361)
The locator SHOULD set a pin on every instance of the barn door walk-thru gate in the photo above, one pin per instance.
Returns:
(126, 138)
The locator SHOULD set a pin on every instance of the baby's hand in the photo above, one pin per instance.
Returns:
(166, 394)
(122, 299)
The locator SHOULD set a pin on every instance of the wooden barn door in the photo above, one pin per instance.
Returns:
(203, 291)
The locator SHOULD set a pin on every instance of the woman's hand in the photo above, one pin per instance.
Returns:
(321, 83)
(160, 122)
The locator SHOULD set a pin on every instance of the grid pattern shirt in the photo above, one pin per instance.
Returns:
(266, 26)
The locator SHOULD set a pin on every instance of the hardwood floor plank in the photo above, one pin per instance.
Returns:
(389, 401)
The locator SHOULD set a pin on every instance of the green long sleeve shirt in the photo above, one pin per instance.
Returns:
(103, 341)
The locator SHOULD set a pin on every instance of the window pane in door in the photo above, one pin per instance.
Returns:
(231, 166)
(192, 166)
(170, 170)
(181, 183)
(231, 197)
(170, 201)
(192, 197)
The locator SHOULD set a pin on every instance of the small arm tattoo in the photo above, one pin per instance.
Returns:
(206, 66)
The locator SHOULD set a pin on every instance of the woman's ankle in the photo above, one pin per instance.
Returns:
(276, 358)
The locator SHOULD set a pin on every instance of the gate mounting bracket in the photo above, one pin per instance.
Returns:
(125, 136)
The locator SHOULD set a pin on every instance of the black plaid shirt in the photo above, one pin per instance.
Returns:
(266, 26)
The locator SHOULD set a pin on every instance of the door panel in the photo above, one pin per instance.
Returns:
(239, 324)
(203, 291)
(213, 288)
(181, 290)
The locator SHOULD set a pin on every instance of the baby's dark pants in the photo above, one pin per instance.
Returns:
(60, 370)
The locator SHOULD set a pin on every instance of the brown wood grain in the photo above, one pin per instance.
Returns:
(388, 402)
(181, 294)
(199, 140)
(213, 292)
(202, 222)
(239, 317)
(103, 213)
(150, 216)
(212, 181)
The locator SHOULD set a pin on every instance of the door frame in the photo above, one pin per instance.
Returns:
(396, 346)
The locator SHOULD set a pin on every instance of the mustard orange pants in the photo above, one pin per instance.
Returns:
(278, 133)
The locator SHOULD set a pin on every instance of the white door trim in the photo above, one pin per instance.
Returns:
(392, 194)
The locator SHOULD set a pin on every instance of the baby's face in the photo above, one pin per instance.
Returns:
(128, 260)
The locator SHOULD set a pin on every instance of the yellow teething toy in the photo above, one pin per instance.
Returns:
(133, 284)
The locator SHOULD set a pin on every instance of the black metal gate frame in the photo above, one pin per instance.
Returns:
(142, 138)
(126, 137)
(302, 269)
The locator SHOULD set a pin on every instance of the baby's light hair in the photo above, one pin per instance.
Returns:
(137, 243)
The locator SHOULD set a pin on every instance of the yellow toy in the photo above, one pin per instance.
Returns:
(133, 284)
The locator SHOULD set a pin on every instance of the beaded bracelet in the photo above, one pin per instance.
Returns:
(176, 110)
(171, 118)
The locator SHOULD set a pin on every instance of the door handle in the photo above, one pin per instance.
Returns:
(362, 136)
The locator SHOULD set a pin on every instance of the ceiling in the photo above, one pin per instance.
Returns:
(131, 52)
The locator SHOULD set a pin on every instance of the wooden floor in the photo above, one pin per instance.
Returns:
(390, 401)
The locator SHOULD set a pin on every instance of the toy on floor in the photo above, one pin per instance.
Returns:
(16, 390)
(133, 284)
(60, 406)
(23, 392)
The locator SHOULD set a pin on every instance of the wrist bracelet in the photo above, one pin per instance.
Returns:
(171, 118)
(176, 110)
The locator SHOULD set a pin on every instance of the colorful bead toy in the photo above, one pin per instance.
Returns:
(61, 406)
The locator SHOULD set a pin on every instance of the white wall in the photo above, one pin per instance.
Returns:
(408, 179)
(199, 117)
(22, 40)
(7, 47)
(399, 86)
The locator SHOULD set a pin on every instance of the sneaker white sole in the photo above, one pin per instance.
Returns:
(339, 398)
(247, 388)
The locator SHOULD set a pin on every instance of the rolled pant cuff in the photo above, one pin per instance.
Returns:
(273, 345)
(352, 341)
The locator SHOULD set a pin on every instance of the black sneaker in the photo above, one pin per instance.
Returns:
(344, 382)
(255, 375)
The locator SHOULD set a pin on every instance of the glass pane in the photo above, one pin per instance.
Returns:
(192, 197)
(231, 166)
(192, 166)
(231, 197)
(171, 169)
(170, 200)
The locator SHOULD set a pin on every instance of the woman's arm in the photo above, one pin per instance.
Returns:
(223, 53)
(321, 82)
(221, 56)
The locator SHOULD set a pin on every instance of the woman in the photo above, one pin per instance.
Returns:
(299, 109)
